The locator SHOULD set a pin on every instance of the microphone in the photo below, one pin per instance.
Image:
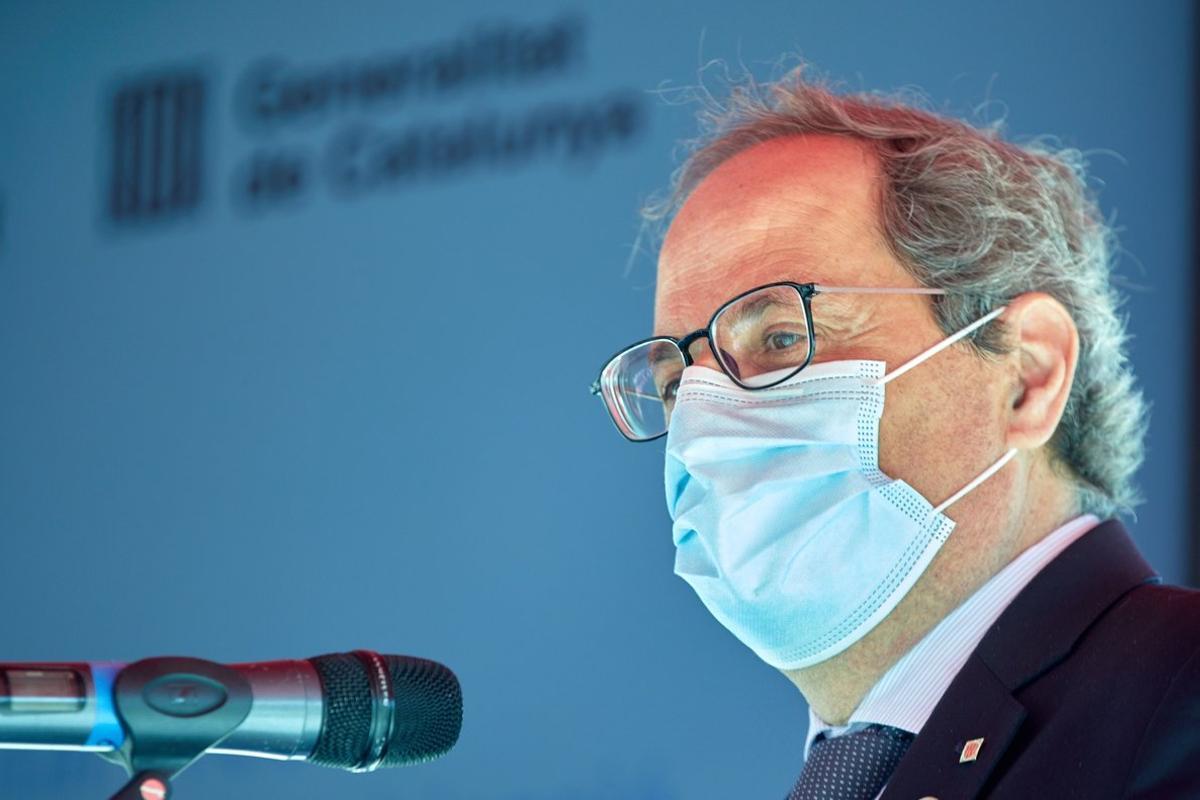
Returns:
(356, 711)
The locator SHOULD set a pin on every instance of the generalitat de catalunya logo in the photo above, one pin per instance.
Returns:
(156, 161)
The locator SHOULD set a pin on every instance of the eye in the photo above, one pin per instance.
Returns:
(668, 399)
(783, 340)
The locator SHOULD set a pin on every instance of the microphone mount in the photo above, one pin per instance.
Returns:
(173, 710)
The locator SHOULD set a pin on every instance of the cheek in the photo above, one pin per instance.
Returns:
(940, 427)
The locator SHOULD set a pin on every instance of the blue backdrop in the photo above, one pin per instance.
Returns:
(298, 308)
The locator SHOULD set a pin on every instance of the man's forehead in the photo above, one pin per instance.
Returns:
(753, 251)
(702, 271)
(801, 209)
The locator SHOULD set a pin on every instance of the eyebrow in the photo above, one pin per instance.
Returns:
(660, 354)
(759, 305)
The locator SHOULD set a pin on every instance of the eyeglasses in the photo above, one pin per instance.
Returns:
(760, 339)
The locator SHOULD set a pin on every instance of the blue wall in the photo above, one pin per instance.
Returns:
(248, 425)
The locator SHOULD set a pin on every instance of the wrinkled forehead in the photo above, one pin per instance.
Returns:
(802, 209)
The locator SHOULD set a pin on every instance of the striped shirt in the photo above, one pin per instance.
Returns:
(906, 695)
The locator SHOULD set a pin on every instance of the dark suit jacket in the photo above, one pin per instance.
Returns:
(1087, 686)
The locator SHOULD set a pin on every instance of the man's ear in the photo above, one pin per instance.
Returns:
(1045, 350)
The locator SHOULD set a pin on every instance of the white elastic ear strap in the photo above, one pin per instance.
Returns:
(942, 345)
(983, 476)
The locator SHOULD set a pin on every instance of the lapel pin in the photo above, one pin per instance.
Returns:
(970, 751)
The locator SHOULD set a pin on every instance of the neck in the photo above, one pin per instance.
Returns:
(835, 687)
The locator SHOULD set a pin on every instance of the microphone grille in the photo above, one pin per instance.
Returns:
(428, 711)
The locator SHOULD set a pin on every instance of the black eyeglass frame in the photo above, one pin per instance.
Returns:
(806, 291)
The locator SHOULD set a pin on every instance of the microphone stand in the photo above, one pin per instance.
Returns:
(173, 710)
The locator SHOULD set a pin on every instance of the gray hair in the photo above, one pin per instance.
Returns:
(985, 219)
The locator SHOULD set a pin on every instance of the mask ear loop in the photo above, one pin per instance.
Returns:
(983, 476)
(940, 346)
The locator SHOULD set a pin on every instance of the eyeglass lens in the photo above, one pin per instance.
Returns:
(760, 334)
(758, 339)
(635, 383)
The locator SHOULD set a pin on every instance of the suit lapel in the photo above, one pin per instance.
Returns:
(1034, 633)
(982, 707)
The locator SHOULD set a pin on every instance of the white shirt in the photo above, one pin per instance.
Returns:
(906, 695)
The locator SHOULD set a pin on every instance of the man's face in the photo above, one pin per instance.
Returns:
(806, 209)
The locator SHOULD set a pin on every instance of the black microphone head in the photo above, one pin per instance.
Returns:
(385, 711)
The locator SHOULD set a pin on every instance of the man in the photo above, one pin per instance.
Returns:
(897, 406)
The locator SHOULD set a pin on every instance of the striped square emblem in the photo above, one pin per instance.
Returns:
(970, 751)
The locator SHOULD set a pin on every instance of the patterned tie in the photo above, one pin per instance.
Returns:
(853, 766)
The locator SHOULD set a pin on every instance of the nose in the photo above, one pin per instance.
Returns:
(702, 355)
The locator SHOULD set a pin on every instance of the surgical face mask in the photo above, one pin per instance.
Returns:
(783, 522)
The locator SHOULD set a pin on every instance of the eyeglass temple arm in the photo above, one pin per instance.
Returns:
(821, 289)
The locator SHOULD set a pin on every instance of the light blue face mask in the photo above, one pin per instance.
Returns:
(783, 522)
